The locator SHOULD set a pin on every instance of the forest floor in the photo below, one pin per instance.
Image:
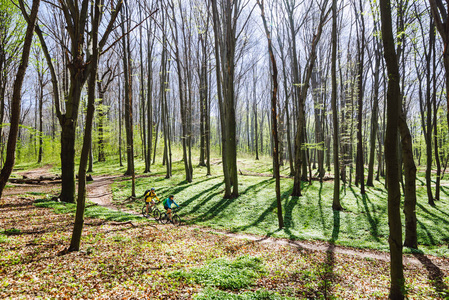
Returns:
(139, 258)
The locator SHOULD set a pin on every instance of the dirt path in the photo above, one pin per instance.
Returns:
(99, 191)
(36, 173)
(43, 187)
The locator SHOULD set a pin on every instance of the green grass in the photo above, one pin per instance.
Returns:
(212, 294)
(12, 231)
(363, 223)
(3, 238)
(91, 211)
(225, 274)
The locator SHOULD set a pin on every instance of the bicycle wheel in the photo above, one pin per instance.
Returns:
(164, 219)
(156, 214)
(176, 220)
(144, 210)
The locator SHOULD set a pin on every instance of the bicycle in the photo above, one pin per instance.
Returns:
(152, 211)
(175, 219)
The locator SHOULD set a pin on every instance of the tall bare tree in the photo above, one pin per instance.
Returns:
(17, 95)
(299, 138)
(391, 153)
(97, 45)
(360, 168)
(225, 34)
(336, 205)
(440, 13)
(128, 99)
(274, 115)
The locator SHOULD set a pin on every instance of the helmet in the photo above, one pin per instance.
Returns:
(152, 189)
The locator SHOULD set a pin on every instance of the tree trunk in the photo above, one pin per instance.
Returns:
(374, 115)
(41, 127)
(142, 99)
(225, 45)
(274, 118)
(163, 95)
(17, 97)
(256, 128)
(319, 136)
(150, 99)
(411, 239)
(299, 138)
(120, 116)
(128, 106)
(360, 168)
(336, 205)
(394, 195)
(91, 158)
(435, 131)
(428, 126)
(101, 115)
(87, 140)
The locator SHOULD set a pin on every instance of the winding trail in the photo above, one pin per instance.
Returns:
(99, 191)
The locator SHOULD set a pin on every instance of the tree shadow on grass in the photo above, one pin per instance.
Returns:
(258, 186)
(441, 211)
(356, 196)
(420, 181)
(261, 218)
(435, 275)
(320, 206)
(328, 276)
(290, 205)
(205, 200)
(444, 190)
(288, 216)
(183, 185)
(429, 235)
(436, 218)
(224, 203)
(371, 189)
(371, 217)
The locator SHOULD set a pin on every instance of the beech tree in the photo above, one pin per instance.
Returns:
(301, 97)
(336, 196)
(225, 35)
(391, 137)
(17, 95)
(97, 14)
(274, 115)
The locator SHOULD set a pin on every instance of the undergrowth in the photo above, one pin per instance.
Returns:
(225, 274)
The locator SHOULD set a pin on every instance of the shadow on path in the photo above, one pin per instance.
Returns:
(435, 275)
(328, 276)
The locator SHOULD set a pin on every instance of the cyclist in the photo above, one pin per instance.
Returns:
(167, 205)
(149, 198)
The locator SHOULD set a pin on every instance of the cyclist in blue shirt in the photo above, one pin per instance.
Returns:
(167, 205)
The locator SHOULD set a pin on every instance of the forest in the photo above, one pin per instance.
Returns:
(305, 144)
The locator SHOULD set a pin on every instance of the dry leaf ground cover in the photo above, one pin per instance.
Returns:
(142, 259)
